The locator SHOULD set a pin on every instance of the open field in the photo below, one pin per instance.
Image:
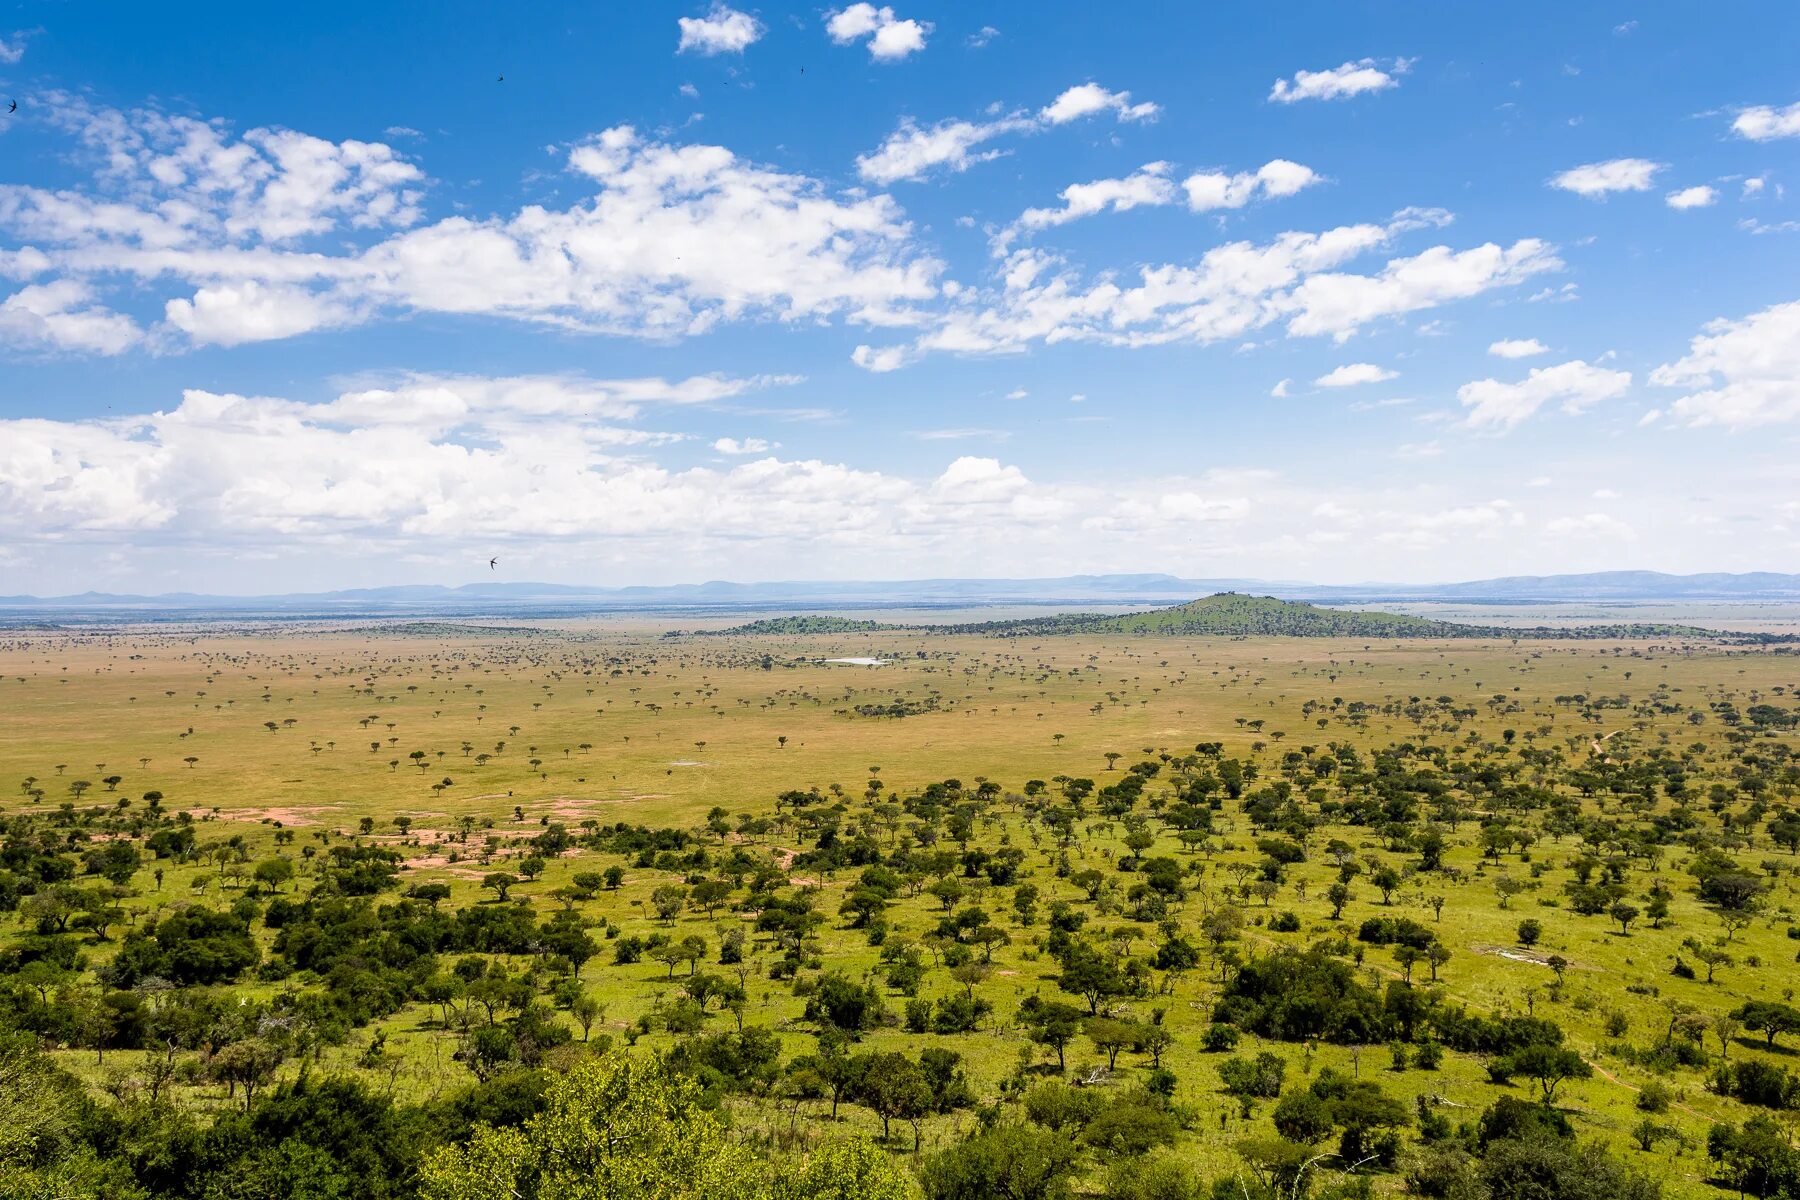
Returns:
(463, 747)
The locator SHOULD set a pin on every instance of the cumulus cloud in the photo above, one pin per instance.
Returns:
(1340, 304)
(912, 151)
(1597, 179)
(889, 38)
(722, 30)
(1517, 348)
(1086, 99)
(1278, 177)
(1149, 185)
(1700, 196)
(61, 316)
(1341, 82)
(737, 448)
(1763, 123)
(12, 49)
(880, 361)
(231, 314)
(1354, 374)
(1742, 373)
(276, 233)
(1230, 291)
(429, 461)
(1576, 385)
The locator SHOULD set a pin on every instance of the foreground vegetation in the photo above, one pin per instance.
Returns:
(571, 911)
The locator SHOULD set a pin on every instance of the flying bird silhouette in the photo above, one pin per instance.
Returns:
(491, 564)
(14, 108)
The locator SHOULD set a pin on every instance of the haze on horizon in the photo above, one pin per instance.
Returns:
(668, 294)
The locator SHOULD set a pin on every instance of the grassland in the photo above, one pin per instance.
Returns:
(480, 738)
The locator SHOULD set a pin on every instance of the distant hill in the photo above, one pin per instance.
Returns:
(776, 626)
(1232, 614)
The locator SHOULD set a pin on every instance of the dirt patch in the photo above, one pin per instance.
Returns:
(1539, 958)
(571, 808)
(293, 814)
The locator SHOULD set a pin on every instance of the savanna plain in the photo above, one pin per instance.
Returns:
(365, 908)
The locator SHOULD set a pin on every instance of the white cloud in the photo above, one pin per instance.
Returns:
(880, 361)
(1278, 177)
(1517, 348)
(1763, 123)
(1568, 293)
(12, 51)
(890, 38)
(722, 30)
(1753, 186)
(982, 37)
(1577, 385)
(1086, 99)
(1342, 82)
(1615, 175)
(417, 457)
(1017, 394)
(737, 448)
(1746, 372)
(276, 233)
(1339, 304)
(1232, 290)
(232, 314)
(1280, 390)
(1700, 196)
(1149, 185)
(913, 150)
(1354, 374)
(60, 316)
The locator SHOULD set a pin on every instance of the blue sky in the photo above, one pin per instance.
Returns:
(306, 298)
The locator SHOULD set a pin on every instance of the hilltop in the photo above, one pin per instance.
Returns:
(779, 626)
(1233, 614)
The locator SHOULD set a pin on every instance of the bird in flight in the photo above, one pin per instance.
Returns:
(14, 108)
(502, 79)
(493, 564)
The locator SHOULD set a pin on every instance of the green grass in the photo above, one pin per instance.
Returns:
(673, 728)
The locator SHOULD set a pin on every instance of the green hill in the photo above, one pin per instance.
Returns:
(792, 625)
(1230, 614)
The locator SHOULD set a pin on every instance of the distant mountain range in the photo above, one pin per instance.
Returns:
(542, 599)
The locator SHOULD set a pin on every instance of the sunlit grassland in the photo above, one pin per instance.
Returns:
(674, 727)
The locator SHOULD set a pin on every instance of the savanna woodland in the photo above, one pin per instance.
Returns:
(603, 909)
